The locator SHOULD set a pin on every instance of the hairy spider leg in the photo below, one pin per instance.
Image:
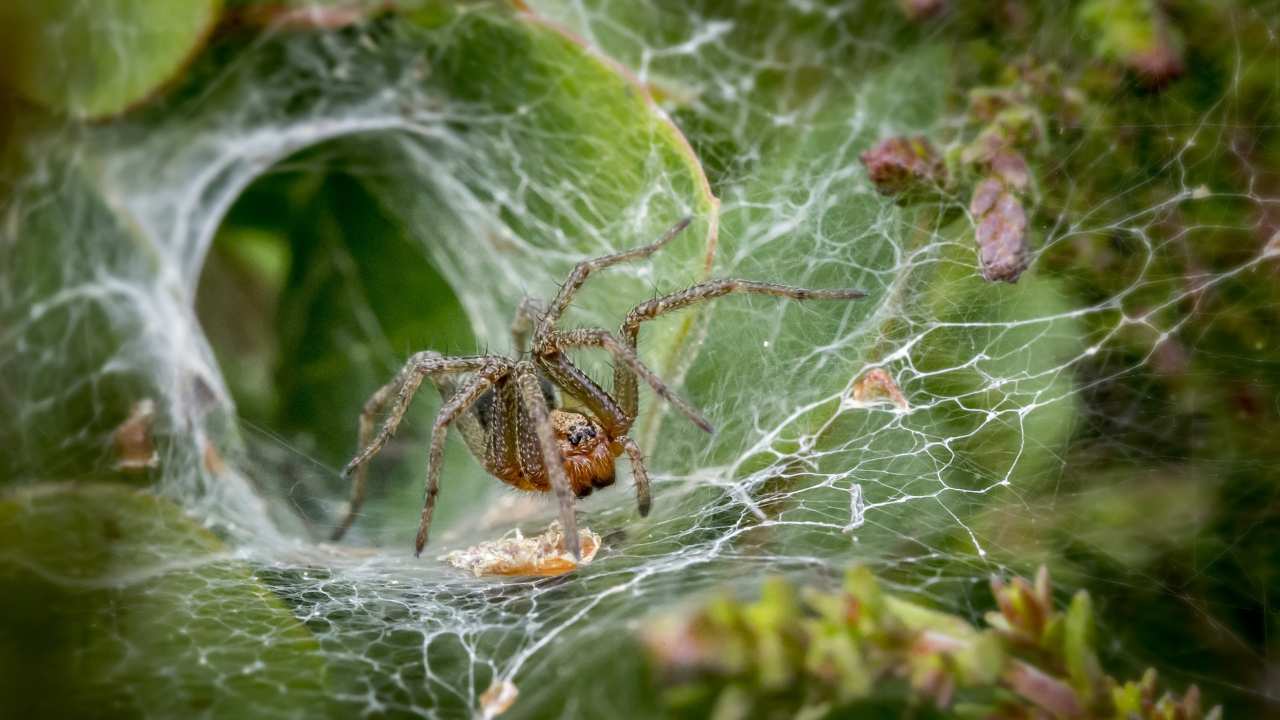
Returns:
(584, 269)
(536, 405)
(372, 407)
(467, 424)
(576, 383)
(616, 422)
(624, 378)
(403, 387)
(526, 318)
(452, 409)
(625, 357)
(639, 474)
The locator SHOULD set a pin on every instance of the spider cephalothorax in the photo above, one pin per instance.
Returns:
(587, 449)
(508, 412)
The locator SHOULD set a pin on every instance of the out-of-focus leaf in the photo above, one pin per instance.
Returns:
(97, 58)
(1136, 34)
(114, 604)
(950, 665)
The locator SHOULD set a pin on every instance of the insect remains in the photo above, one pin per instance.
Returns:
(508, 411)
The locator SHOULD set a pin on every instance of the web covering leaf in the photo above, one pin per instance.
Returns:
(503, 150)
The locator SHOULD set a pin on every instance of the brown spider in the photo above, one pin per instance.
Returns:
(507, 411)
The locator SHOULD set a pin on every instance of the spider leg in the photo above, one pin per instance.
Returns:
(606, 410)
(371, 409)
(402, 389)
(583, 269)
(536, 405)
(468, 424)
(638, 473)
(573, 381)
(624, 381)
(452, 408)
(527, 314)
(626, 357)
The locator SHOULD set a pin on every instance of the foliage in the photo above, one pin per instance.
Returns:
(801, 652)
(117, 605)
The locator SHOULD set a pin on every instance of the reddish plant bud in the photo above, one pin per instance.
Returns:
(921, 9)
(898, 165)
(992, 152)
(1011, 168)
(1158, 65)
(1001, 231)
(986, 103)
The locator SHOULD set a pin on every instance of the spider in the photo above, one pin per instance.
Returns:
(507, 410)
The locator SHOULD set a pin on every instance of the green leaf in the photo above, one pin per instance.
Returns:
(93, 59)
(114, 604)
(1077, 645)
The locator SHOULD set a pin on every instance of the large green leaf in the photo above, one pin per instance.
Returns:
(114, 604)
(90, 59)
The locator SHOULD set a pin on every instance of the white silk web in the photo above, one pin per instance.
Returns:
(909, 431)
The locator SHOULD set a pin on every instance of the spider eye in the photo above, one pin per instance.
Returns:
(580, 433)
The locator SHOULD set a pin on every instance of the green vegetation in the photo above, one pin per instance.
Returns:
(807, 653)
